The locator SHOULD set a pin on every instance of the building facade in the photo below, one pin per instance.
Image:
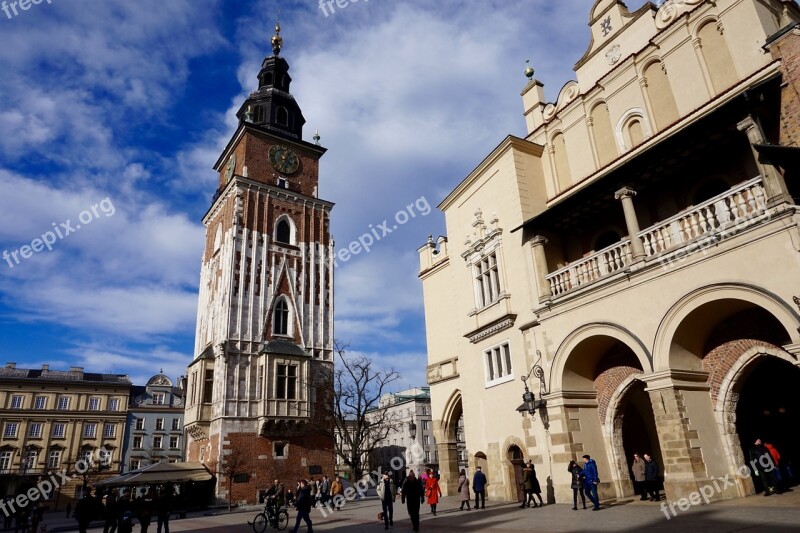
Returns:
(634, 257)
(154, 424)
(260, 382)
(51, 419)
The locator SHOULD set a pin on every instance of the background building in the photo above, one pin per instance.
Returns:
(154, 425)
(635, 256)
(263, 357)
(51, 418)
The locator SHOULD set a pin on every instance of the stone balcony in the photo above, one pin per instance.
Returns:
(691, 230)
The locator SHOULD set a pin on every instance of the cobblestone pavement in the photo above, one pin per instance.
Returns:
(755, 514)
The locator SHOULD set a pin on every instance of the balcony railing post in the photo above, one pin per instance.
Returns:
(626, 195)
(540, 267)
(774, 184)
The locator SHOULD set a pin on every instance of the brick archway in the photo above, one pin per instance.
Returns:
(728, 366)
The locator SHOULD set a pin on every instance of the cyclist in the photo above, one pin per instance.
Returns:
(274, 498)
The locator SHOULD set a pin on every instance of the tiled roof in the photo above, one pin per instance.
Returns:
(61, 375)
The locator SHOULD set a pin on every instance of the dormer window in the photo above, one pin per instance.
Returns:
(282, 116)
(283, 183)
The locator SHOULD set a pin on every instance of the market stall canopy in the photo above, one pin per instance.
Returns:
(160, 473)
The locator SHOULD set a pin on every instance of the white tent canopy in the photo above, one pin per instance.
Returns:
(160, 473)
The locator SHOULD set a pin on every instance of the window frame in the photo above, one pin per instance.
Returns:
(498, 364)
(17, 401)
(87, 427)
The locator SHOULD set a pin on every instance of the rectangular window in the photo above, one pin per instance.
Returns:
(159, 423)
(173, 443)
(176, 424)
(202, 453)
(426, 425)
(94, 404)
(427, 457)
(90, 431)
(16, 402)
(31, 460)
(5, 461)
(487, 280)
(59, 430)
(426, 440)
(35, 430)
(11, 430)
(286, 386)
(280, 449)
(113, 404)
(208, 387)
(137, 443)
(63, 403)
(260, 382)
(157, 441)
(140, 423)
(159, 398)
(135, 464)
(497, 361)
(54, 459)
(192, 386)
(40, 403)
(109, 430)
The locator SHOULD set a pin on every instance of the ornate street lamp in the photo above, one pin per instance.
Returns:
(412, 430)
(529, 401)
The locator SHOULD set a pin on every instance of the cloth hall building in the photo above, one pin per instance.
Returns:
(636, 256)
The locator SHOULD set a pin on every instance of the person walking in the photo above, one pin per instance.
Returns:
(84, 510)
(413, 495)
(536, 489)
(758, 455)
(433, 491)
(651, 478)
(110, 525)
(463, 489)
(337, 488)
(591, 480)
(637, 469)
(387, 494)
(164, 508)
(145, 511)
(577, 484)
(479, 488)
(303, 504)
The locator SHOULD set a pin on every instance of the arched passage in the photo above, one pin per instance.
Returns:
(447, 444)
(517, 462)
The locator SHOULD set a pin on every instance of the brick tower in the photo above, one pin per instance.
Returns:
(263, 351)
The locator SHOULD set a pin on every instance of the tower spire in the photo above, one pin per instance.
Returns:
(277, 40)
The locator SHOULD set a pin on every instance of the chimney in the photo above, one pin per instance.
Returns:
(45, 367)
(76, 369)
(11, 365)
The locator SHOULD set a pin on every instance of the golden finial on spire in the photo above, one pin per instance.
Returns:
(277, 40)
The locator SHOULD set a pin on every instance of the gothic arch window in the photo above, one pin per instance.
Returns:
(284, 230)
(603, 134)
(561, 161)
(282, 116)
(716, 56)
(280, 317)
(659, 92)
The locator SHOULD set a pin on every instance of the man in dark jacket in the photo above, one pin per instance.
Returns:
(84, 512)
(651, 478)
(759, 455)
(303, 505)
(479, 486)
(591, 480)
(413, 495)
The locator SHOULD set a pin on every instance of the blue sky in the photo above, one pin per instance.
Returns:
(112, 113)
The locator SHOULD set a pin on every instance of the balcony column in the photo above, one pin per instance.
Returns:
(626, 194)
(540, 268)
(774, 184)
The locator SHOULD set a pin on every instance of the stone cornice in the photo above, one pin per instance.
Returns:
(496, 326)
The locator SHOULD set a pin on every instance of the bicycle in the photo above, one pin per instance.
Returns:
(277, 518)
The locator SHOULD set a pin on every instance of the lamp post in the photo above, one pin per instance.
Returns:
(411, 453)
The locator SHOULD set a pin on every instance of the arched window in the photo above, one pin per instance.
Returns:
(561, 162)
(268, 78)
(659, 91)
(603, 134)
(280, 318)
(283, 116)
(717, 58)
(258, 114)
(283, 233)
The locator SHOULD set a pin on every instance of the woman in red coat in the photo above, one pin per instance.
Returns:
(432, 491)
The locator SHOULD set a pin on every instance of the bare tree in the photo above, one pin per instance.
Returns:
(236, 462)
(359, 419)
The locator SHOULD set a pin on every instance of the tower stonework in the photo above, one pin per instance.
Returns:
(263, 359)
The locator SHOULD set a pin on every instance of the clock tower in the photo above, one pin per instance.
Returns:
(263, 362)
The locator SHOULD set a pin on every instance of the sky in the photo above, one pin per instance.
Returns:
(113, 112)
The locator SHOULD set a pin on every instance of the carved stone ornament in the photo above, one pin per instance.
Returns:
(613, 54)
(672, 9)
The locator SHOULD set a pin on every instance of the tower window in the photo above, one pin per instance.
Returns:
(286, 385)
(283, 183)
(268, 78)
(282, 116)
(283, 233)
(258, 114)
(280, 319)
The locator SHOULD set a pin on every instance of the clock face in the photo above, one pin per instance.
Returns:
(283, 159)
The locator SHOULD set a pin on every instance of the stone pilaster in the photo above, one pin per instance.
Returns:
(448, 465)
